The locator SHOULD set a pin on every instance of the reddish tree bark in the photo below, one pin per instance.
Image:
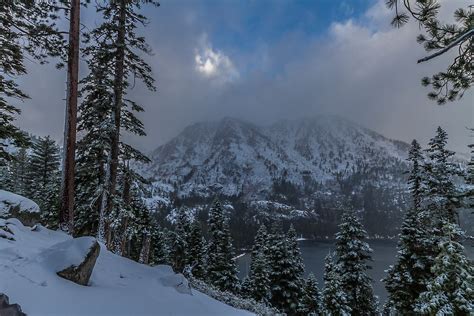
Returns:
(66, 211)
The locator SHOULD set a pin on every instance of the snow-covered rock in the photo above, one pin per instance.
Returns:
(7, 309)
(72, 259)
(118, 286)
(14, 205)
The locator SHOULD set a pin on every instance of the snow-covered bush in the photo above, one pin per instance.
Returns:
(232, 299)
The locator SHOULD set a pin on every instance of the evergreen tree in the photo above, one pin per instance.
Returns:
(221, 268)
(131, 214)
(352, 256)
(440, 172)
(26, 28)
(442, 37)
(285, 279)
(312, 297)
(407, 279)
(196, 251)
(469, 178)
(44, 173)
(94, 123)
(295, 253)
(121, 47)
(257, 283)
(451, 291)
(19, 173)
(334, 298)
(161, 247)
(180, 245)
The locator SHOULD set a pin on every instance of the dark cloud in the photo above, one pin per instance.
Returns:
(361, 69)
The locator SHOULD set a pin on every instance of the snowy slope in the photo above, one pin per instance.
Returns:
(232, 157)
(118, 286)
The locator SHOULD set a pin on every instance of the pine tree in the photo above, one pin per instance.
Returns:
(67, 203)
(221, 268)
(94, 124)
(312, 297)
(285, 279)
(180, 246)
(442, 37)
(44, 173)
(295, 253)
(19, 173)
(334, 298)
(196, 257)
(162, 241)
(257, 283)
(441, 189)
(451, 291)
(131, 213)
(352, 256)
(26, 29)
(469, 178)
(406, 280)
(121, 45)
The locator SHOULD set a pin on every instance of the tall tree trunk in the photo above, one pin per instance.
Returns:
(111, 179)
(126, 201)
(66, 211)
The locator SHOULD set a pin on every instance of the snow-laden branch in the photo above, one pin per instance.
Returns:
(444, 50)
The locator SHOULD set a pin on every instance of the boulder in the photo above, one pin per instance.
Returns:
(7, 309)
(81, 273)
(14, 205)
(73, 259)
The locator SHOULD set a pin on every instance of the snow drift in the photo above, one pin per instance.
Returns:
(118, 286)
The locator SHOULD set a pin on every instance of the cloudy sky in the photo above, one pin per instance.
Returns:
(264, 60)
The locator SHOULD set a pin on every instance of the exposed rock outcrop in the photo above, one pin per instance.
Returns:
(73, 259)
(81, 274)
(7, 309)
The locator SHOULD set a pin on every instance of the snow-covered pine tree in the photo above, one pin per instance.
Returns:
(334, 298)
(257, 283)
(27, 29)
(439, 181)
(285, 279)
(162, 241)
(196, 256)
(221, 268)
(352, 256)
(180, 245)
(406, 280)
(19, 173)
(295, 253)
(122, 46)
(451, 291)
(312, 297)
(45, 174)
(469, 178)
(94, 127)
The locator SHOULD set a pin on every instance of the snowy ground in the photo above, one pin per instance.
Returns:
(118, 286)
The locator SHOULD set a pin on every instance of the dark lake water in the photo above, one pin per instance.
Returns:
(314, 252)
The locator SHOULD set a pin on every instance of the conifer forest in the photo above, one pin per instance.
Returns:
(204, 157)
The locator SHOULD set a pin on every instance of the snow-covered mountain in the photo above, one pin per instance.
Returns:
(288, 169)
(232, 157)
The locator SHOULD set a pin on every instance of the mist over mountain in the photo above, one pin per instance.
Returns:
(294, 170)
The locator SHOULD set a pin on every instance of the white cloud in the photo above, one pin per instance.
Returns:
(214, 64)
